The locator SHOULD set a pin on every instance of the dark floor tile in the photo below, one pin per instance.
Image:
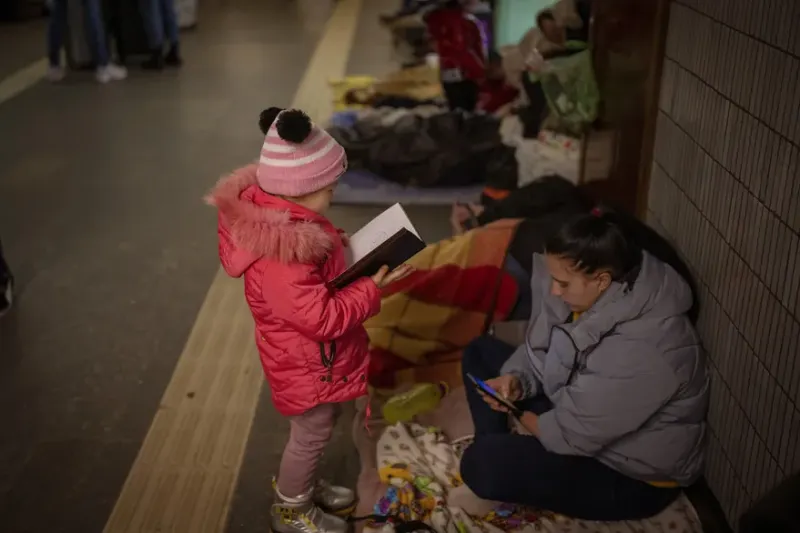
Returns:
(26, 39)
(252, 496)
(66, 486)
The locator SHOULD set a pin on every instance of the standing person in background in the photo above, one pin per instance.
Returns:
(161, 22)
(95, 34)
(462, 56)
(6, 284)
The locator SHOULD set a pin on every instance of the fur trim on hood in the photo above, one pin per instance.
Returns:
(263, 225)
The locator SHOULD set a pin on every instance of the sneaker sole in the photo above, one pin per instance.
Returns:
(350, 527)
(344, 512)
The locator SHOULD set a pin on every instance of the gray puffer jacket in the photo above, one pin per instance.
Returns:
(638, 396)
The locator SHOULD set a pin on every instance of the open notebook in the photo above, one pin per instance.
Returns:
(388, 239)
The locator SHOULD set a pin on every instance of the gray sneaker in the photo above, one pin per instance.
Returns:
(333, 499)
(301, 515)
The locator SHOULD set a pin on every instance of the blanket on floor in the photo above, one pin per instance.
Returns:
(426, 319)
(424, 149)
(420, 466)
(418, 83)
(415, 467)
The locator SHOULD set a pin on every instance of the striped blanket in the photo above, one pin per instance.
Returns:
(426, 320)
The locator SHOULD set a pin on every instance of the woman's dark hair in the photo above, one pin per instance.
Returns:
(598, 242)
(613, 240)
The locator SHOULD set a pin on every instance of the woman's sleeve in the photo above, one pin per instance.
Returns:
(525, 363)
(520, 366)
(298, 295)
(600, 408)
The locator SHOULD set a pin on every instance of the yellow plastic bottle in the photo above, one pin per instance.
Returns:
(421, 398)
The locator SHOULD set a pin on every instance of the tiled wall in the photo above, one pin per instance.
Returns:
(725, 187)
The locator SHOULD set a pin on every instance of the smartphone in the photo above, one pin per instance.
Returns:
(486, 389)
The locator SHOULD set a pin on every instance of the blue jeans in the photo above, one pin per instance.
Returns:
(160, 20)
(95, 32)
(518, 469)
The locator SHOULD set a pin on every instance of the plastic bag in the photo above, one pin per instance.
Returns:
(571, 90)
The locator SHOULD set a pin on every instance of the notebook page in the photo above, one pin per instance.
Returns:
(378, 230)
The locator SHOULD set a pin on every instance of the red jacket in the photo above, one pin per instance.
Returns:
(312, 344)
(459, 43)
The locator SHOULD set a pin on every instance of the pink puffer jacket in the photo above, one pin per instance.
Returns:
(311, 340)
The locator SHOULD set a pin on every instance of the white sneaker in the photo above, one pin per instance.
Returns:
(55, 74)
(111, 72)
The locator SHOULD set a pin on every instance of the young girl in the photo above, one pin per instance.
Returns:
(310, 337)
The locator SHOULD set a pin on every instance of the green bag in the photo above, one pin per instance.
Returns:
(571, 90)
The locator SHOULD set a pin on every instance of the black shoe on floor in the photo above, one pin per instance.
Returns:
(156, 61)
(6, 295)
(173, 57)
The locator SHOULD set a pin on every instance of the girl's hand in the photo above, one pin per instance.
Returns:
(345, 239)
(383, 277)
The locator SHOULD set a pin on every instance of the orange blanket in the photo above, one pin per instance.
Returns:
(458, 290)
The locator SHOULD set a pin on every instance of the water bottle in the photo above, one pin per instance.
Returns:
(421, 398)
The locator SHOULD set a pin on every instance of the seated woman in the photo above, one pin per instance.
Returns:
(611, 379)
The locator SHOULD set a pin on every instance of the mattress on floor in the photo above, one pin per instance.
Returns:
(379, 445)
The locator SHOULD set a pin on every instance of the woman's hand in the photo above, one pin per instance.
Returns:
(461, 214)
(383, 277)
(508, 387)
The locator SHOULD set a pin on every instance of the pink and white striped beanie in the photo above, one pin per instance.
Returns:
(298, 157)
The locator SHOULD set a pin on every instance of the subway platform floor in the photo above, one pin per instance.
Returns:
(130, 393)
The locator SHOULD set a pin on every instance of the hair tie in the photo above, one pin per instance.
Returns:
(595, 212)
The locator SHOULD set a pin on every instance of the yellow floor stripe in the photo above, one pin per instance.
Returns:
(184, 476)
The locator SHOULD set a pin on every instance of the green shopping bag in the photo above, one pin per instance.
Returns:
(571, 90)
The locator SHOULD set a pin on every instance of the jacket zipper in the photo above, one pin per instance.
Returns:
(579, 355)
(328, 360)
(575, 358)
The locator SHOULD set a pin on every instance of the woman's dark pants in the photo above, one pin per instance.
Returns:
(517, 469)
